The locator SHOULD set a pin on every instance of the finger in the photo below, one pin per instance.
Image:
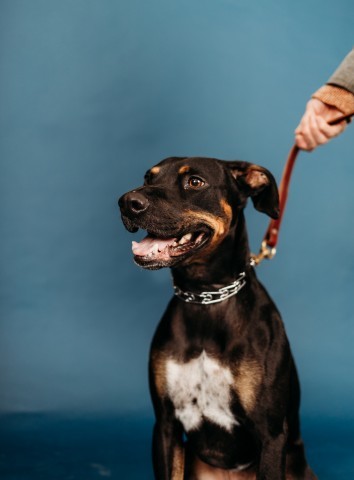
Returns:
(303, 135)
(302, 142)
(307, 135)
(305, 119)
(331, 131)
(301, 138)
(299, 128)
(331, 114)
(318, 135)
(307, 131)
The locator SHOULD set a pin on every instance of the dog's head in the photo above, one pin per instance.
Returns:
(188, 205)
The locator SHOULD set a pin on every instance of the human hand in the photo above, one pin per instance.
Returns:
(314, 128)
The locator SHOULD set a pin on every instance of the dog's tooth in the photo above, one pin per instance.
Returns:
(186, 238)
(200, 237)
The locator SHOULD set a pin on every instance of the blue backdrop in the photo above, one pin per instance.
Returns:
(92, 93)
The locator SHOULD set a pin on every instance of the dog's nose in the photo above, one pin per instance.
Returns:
(133, 202)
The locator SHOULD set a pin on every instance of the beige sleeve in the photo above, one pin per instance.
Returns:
(336, 97)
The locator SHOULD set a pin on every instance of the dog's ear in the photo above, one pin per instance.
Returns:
(259, 184)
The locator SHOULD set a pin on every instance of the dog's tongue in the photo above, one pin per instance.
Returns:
(151, 245)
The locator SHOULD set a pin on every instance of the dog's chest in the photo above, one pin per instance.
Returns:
(200, 389)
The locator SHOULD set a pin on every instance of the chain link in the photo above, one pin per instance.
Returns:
(207, 298)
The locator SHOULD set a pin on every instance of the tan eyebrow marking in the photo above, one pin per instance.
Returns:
(155, 170)
(184, 169)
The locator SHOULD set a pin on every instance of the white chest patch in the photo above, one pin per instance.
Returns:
(200, 389)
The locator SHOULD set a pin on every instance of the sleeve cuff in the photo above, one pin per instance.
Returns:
(337, 97)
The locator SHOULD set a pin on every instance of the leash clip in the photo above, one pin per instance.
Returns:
(264, 252)
(272, 232)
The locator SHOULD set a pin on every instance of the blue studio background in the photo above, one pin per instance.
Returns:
(92, 93)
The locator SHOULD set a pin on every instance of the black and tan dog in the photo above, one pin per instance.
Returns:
(223, 380)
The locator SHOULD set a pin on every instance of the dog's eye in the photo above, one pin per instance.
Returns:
(195, 182)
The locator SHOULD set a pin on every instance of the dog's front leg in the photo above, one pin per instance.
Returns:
(168, 450)
(273, 457)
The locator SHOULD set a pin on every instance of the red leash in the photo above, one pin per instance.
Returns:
(268, 247)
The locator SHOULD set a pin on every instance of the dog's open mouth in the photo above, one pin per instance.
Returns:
(155, 251)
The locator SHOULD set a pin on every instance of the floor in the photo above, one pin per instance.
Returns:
(41, 447)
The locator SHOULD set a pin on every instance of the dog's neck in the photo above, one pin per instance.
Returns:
(220, 268)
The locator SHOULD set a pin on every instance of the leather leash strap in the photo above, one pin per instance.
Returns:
(270, 240)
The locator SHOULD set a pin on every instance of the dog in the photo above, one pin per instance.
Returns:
(223, 380)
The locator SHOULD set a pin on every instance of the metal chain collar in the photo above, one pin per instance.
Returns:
(206, 298)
